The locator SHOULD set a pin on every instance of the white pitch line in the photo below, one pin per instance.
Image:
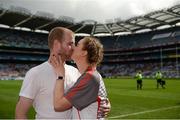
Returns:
(137, 113)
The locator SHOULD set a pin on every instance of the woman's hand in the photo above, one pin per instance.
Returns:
(58, 65)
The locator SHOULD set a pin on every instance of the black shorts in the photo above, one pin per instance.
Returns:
(139, 81)
(163, 82)
(159, 80)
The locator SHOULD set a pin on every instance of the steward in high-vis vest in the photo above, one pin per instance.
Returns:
(159, 80)
(139, 80)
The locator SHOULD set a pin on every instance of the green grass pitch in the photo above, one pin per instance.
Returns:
(126, 101)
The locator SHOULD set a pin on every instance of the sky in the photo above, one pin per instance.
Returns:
(98, 10)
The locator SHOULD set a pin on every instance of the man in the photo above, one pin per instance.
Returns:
(139, 80)
(39, 82)
(159, 80)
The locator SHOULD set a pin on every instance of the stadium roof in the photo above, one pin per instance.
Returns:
(22, 18)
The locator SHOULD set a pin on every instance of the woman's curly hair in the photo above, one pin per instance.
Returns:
(94, 49)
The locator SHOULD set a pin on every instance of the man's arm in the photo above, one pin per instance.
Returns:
(22, 107)
(105, 108)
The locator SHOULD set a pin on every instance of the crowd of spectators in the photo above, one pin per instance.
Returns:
(169, 70)
(17, 38)
(14, 71)
(144, 40)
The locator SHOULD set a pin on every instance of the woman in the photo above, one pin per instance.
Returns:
(83, 96)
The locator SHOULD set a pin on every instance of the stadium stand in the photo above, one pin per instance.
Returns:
(14, 71)
(124, 55)
(148, 69)
(18, 49)
(15, 38)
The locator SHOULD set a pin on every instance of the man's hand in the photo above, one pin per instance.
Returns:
(105, 108)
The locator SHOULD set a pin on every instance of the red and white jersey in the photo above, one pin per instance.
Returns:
(83, 95)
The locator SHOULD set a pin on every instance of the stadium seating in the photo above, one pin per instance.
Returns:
(17, 38)
(123, 55)
(148, 70)
(14, 71)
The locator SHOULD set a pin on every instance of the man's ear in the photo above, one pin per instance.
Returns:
(56, 42)
(56, 46)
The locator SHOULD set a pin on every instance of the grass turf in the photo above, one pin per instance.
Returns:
(125, 99)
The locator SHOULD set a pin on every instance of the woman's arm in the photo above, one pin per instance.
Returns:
(60, 102)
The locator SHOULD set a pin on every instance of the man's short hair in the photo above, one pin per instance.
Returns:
(56, 33)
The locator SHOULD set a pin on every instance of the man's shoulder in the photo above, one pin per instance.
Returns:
(70, 67)
(72, 71)
(38, 68)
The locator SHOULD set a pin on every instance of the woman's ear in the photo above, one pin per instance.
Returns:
(84, 53)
